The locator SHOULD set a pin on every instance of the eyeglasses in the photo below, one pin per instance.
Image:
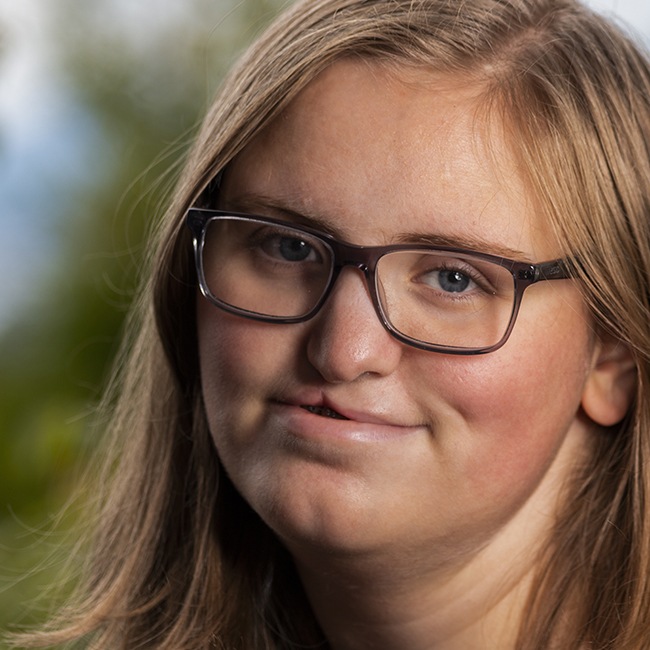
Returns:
(435, 298)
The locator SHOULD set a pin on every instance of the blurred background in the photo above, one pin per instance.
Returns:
(98, 102)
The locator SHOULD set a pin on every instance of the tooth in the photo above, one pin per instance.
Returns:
(332, 414)
(324, 412)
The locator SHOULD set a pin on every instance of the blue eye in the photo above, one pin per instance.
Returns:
(453, 281)
(285, 246)
(450, 281)
(292, 249)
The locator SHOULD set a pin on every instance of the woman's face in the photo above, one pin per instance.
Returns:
(440, 455)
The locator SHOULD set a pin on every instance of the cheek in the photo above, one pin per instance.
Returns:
(240, 359)
(519, 406)
(225, 365)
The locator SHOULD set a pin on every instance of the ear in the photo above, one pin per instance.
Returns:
(609, 390)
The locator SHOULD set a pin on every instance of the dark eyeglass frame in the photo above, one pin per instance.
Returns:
(365, 259)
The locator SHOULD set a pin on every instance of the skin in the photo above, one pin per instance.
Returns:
(415, 522)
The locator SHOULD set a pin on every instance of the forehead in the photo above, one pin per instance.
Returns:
(398, 143)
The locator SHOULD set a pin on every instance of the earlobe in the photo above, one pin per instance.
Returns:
(609, 390)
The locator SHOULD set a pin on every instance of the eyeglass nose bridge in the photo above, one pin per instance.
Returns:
(362, 258)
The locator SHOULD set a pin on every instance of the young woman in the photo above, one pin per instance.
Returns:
(389, 383)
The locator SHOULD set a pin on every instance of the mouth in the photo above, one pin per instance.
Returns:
(325, 412)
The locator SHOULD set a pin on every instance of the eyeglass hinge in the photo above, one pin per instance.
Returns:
(531, 274)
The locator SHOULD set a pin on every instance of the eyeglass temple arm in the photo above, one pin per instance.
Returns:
(553, 270)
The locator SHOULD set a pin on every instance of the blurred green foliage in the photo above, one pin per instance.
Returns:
(145, 84)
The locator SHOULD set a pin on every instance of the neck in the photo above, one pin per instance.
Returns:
(364, 603)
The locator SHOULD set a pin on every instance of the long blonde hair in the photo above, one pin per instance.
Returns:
(179, 561)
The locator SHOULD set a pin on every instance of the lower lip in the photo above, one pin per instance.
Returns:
(301, 423)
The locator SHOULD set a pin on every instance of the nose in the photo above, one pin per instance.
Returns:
(346, 339)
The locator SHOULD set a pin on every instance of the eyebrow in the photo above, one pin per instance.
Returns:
(467, 242)
(259, 204)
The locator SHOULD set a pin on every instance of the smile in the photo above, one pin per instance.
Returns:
(315, 418)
